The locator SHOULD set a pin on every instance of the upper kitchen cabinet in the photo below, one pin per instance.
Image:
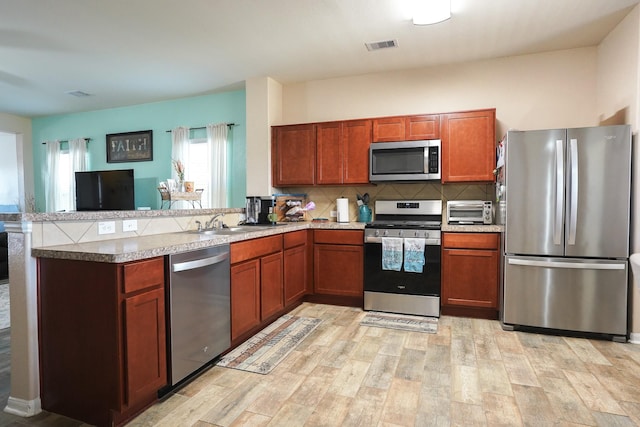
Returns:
(343, 152)
(329, 148)
(468, 146)
(330, 153)
(406, 128)
(294, 155)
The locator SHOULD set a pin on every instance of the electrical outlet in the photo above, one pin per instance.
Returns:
(107, 227)
(129, 225)
(334, 214)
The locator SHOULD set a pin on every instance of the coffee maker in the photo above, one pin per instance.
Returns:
(257, 209)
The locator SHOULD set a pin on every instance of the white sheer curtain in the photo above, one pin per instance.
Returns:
(217, 141)
(53, 160)
(60, 185)
(79, 159)
(180, 149)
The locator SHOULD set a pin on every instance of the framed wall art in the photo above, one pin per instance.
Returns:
(130, 146)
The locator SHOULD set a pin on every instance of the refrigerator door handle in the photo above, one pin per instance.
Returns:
(557, 224)
(573, 209)
(561, 264)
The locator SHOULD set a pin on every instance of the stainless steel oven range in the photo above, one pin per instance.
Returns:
(399, 283)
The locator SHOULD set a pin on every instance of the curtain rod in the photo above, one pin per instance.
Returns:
(66, 140)
(204, 127)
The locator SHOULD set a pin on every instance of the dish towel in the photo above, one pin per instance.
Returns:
(414, 255)
(392, 253)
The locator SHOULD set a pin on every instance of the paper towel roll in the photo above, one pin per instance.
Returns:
(342, 207)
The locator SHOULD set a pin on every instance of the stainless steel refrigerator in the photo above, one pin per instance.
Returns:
(566, 248)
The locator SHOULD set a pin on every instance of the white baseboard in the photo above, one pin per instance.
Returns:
(23, 408)
(634, 337)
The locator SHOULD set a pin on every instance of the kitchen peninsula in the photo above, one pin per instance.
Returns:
(75, 236)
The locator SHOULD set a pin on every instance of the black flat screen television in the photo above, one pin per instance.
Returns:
(109, 190)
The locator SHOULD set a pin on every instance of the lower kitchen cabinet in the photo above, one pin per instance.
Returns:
(271, 285)
(245, 297)
(296, 266)
(256, 284)
(338, 264)
(470, 271)
(102, 338)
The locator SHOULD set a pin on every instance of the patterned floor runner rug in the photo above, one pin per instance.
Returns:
(262, 352)
(401, 321)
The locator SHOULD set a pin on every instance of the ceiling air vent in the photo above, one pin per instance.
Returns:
(78, 93)
(381, 45)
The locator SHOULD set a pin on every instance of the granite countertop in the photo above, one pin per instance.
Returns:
(142, 247)
(475, 228)
(100, 215)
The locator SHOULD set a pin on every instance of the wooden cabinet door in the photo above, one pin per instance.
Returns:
(338, 269)
(329, 151)
(389, 129)
(468, 146)
(145, 344)
(271, 292)
(356, 135)
(470, 278)
(294, 155)
(422, 127)
(295, 277)
(245, 297)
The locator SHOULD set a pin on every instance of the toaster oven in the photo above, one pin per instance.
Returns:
(469, 212)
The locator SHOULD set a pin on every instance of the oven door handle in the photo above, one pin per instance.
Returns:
(428, 242)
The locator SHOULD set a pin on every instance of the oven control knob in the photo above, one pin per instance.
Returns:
(386, 233)
(377, 233)
(426, 235)
(416, 234)
(400, 233)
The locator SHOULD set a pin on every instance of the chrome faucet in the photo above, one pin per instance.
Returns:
(213, 222)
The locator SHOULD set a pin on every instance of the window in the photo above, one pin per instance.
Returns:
(65, 182)
(200, 168)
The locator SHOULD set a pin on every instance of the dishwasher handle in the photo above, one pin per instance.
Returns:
(199, 263)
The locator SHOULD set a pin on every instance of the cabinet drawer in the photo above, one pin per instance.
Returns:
(295, 238)
(471, 240)
(143, 274)
(339, 237)
(254, 248)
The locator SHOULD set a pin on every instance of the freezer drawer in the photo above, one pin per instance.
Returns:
(566, 293)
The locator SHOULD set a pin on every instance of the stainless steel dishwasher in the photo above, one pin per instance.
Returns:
(200, 309)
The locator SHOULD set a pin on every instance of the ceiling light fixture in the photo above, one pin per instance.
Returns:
(427, 12)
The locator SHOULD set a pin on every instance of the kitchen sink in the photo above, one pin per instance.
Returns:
(220, 231)
(230, 230)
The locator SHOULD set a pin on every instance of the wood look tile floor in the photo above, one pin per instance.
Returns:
(470, 373)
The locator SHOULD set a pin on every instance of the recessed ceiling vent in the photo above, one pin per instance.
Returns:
(381, 45)
(78, 93)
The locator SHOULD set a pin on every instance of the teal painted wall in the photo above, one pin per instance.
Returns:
(229, 107)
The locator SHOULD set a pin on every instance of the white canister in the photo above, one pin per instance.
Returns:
(342, 208)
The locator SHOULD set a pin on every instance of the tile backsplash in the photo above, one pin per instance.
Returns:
(325, 197)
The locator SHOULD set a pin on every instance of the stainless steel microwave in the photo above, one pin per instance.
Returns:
(404, 161)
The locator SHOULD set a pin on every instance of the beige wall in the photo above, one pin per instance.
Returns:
(21, 126)
(570, 88)
(264, 108)
(618, 74)
(555, 89)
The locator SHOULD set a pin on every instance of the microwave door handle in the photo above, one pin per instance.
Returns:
(425, 163)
